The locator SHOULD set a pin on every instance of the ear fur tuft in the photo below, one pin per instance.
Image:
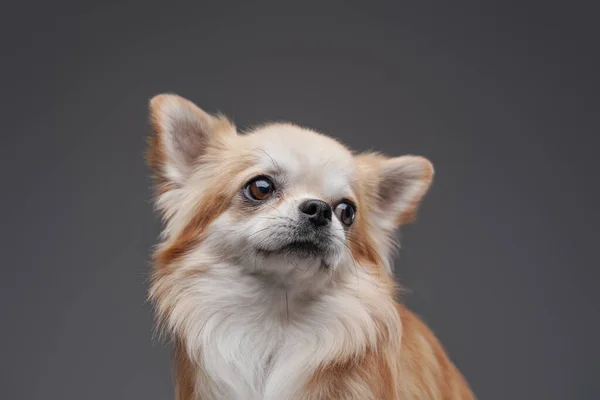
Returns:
(182, 133)
(397, 186)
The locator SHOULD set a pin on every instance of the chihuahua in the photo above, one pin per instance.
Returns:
(274, 271)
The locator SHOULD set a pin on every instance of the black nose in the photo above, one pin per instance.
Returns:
(318, 212)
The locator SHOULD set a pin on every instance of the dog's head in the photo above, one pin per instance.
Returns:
(282, 202)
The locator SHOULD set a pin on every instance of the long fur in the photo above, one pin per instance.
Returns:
(278, 328)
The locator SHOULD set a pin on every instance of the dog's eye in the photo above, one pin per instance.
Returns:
(260, 188)
(345, 212)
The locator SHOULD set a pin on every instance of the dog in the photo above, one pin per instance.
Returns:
(274, 275)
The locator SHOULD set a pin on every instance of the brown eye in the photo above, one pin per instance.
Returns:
(345, 212)
(259, 189)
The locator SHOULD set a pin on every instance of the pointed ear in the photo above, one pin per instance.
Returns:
(397, 186)
(403, 181)
(182, 133)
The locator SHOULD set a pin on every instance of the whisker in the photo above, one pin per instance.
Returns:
(275, 164)
(259, 231)
(287, 307)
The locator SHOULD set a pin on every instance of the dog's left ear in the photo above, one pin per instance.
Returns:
(396, 186)
(403, 181)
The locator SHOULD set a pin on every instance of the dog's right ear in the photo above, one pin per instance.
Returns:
(182, 133)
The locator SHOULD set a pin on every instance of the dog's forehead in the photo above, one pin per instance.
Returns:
(305, 158)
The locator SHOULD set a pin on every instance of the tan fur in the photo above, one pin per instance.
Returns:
(403, 361)
(417, 369)
(185, 374)
(428, 371)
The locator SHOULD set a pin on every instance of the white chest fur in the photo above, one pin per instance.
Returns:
(253, 344)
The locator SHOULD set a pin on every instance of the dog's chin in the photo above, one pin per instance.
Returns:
(298, 252)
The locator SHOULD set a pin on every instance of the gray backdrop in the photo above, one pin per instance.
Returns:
(502, 262)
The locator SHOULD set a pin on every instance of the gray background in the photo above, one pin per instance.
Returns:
(502, 262)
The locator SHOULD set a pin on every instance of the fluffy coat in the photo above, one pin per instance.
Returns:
(251, 322)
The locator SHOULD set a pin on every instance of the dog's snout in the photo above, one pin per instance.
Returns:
(318, 211)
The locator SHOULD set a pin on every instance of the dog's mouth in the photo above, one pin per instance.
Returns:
(301, 249)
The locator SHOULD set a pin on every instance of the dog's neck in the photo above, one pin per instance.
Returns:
(278, 298)
(250, 334)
